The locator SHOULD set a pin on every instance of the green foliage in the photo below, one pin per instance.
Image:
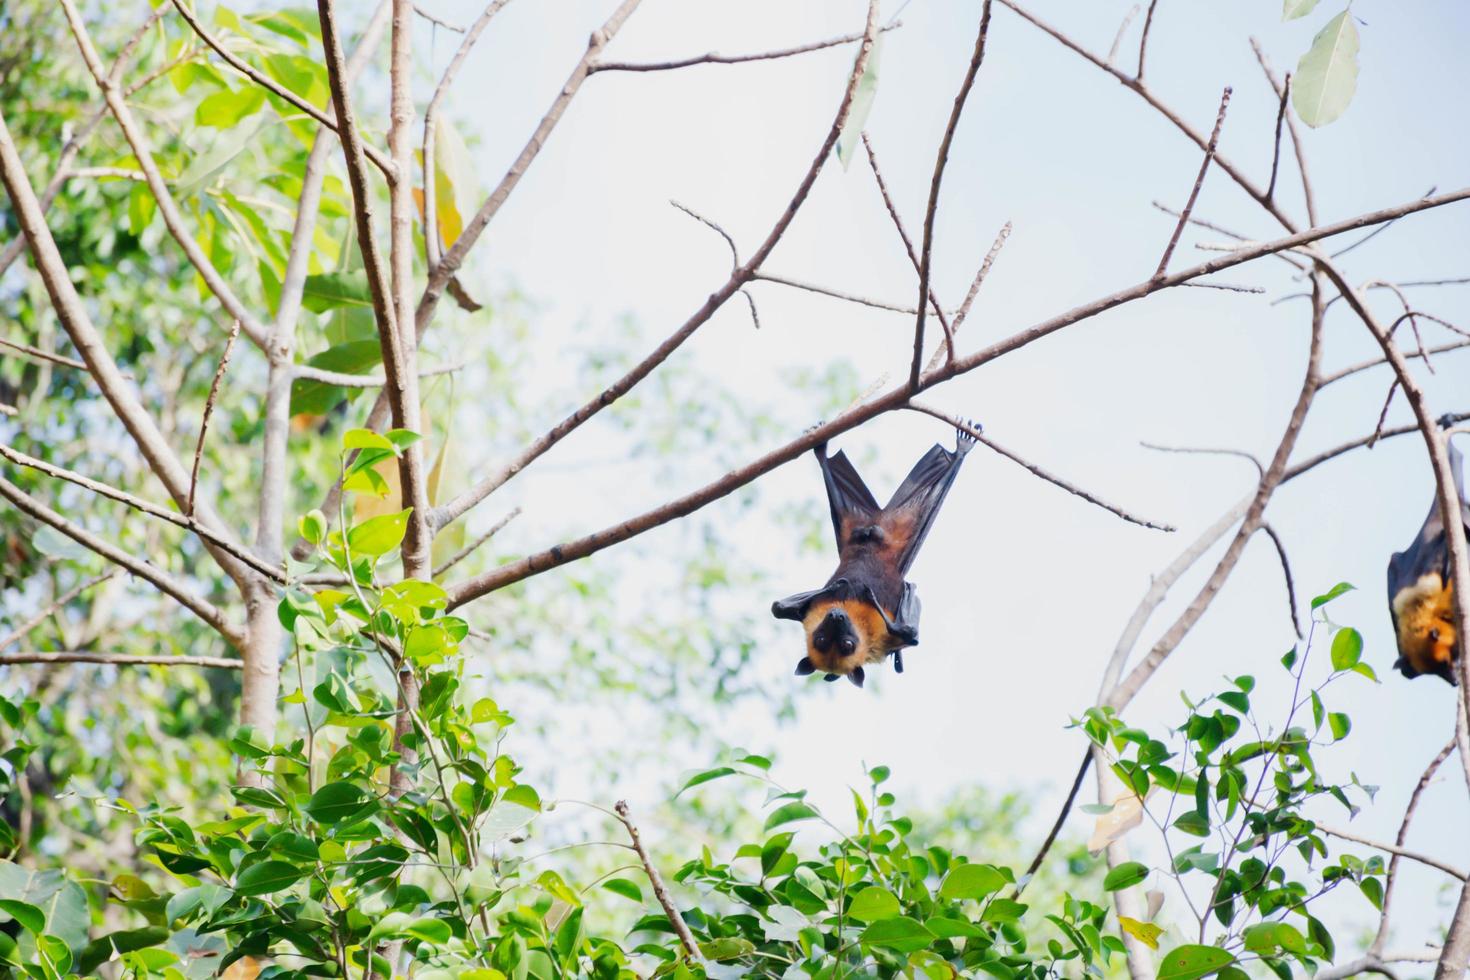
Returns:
(1327, 75)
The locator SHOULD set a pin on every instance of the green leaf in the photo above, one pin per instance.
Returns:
(1372, 889)
(333, 289)
(862, 105)
(99, 951)
(902, 934)
(32, 919)
(1326, 77)
(1292, 9)
(1145, 932)
(729, 948)
(971, 881)
(1125, 875)
(873, 904)
(1192, 823)
(337, 801)
(366, 439)
(1003, 910)
(789, 813)
(429, 930)
(224, 110)
(1189, 962)
(1347, 648)
(1318, 711)
(1340, 724)
(378, 535)
(313, 526)
(267, 877)
(1340, 587)
(624, 887)
(705, 776)
(1267, 937)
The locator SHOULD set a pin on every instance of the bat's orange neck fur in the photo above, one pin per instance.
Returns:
(874, 641)
(1426, 618)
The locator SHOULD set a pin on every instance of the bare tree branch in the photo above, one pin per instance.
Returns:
(1199, 181)
(1122, 29)
(341, 379)
(737, 280)
(219, 375)
(56, 605)
(671, 911)
(1035, 470)
(942, 158)
(1280, 88)
(1427, 860)
(907, 242)
(1391, 879)
(895, 398)
(715, 58)
(449, 264)
(1346, 372)
(74, 318)
(1148, 24)
(167, 208)
(876, 304)
(159, 579)
(39, 354)
(189, 523)
(119, 659)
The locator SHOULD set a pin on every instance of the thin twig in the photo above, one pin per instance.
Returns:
(974, 290)
(1035, 470)
(1148, 24)
(470, 548)
(306, 372)
(926, 252)
(1122, 29)
(681, 928)
(1375, 362)
(1286, 573)
(1280, 121)
(1383, 414)
(1428, 860)
(1296, 140)
(57, 604)
(119, 659)
(189, 523)
(715, 226)
(39, 354)
(1228, 287)
(903, 236)
(219, 375)
(1199, 181)
(877, 304)
(1209, 451)
(437, 22)
(1056, 828)
(715, 58)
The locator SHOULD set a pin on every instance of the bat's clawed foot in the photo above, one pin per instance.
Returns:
(1447, 421)
(965, 440)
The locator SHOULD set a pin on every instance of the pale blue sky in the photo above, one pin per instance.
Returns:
(1025, 588)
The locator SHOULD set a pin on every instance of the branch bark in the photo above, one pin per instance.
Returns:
(119, 659)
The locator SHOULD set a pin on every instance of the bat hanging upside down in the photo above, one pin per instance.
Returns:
(867, 611)
(1421, 593)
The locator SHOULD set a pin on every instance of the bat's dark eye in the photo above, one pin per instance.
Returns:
(848, 646)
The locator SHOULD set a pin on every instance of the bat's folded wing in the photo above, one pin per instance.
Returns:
(849, 498)
(796, 606)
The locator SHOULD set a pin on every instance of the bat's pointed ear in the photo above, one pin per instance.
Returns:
(829, 677)
(1402, 666)
(804, 666)
(856, 676)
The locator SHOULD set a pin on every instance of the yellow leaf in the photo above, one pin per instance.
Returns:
(1145, 932)
(245, 968)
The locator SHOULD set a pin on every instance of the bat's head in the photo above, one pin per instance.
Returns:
(1426, 628)
(841, 636)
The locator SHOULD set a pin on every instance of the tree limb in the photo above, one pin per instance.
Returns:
(119, 659)
(57, 604)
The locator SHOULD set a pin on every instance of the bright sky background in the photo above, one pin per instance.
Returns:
(1025, 588)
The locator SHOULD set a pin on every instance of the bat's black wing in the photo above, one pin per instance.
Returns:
(848, 496)
(1429, 553)
(911, 512)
